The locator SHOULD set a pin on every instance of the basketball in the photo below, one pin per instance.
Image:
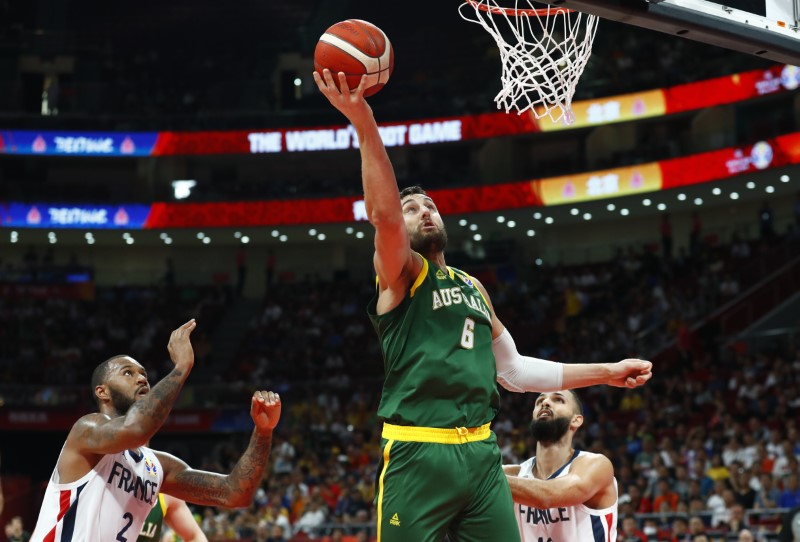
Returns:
(356, 48)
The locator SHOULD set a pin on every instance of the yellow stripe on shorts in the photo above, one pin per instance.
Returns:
(386, 451)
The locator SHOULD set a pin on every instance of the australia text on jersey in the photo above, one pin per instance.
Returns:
(444, 297)
(144, 490)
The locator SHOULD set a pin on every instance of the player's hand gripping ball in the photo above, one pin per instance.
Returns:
(356, 48)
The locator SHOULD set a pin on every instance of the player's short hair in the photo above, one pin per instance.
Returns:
(411, 190)
(578, 402)
(100, 375)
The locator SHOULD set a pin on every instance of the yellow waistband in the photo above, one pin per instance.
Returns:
(457, 435)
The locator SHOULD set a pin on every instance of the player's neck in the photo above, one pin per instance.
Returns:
(438, 259)
(552, 456)
(110, 411)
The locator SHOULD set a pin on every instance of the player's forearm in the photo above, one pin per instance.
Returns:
(544, 493)
(235, 490)
(248, 472)
(148, 414)
(531, 492)
(582, 375)
(381, 196)
(519, 373)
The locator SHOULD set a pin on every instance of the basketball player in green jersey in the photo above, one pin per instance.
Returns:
(443, 350)
(176, 514)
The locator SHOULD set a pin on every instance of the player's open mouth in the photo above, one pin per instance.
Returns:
(546, 414)
(144, 390)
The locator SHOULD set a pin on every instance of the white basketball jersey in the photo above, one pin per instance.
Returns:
(566, 524)
(108, 504)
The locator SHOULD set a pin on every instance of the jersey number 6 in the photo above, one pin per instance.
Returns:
(468, 335)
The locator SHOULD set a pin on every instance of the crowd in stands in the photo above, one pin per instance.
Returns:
(53, 342)
(706, 446)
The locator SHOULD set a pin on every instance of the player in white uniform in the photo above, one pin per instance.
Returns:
(106, 480)
(562, 494)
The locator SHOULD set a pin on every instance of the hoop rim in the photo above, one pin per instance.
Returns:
(514, 12)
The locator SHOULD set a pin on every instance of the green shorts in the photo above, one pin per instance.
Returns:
(433, 482)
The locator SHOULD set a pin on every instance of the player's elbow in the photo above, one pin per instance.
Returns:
(506, 384)
(136, 434)
(238, 499)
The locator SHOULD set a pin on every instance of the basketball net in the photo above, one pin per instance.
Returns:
(543, 51)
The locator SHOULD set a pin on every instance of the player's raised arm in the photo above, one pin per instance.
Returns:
(394, 260)
(234, 490)
(113, 429)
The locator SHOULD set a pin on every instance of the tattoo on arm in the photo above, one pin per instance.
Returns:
(157, 404)
(234, 490)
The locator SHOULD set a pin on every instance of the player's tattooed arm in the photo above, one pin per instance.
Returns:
(97, 433)
(101, 434)
(235, 490)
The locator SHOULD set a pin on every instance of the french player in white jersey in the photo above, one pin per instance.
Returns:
(107, 480)
(563, 494)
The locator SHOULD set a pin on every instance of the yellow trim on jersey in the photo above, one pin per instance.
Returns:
(457, 435)
(420, 278)
(163, 504)
(386, 450)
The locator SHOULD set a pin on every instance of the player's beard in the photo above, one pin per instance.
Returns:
(427, 243)
(120, 402)
(550, 430)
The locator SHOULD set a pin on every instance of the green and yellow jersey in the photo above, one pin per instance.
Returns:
(151, 530)
(437, 352)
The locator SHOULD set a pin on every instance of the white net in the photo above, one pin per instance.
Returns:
(543, 50)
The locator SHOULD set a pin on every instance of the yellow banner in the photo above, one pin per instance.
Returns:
(611, 109)
(599, 184)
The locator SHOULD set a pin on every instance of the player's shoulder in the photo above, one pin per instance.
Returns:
(526, 467)
(90, 421)
(84, 427)
(592, 460)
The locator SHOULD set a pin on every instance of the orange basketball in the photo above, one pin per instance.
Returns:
(356, 48)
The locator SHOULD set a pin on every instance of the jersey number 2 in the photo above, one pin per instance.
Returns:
(129, 517)
(468, 334)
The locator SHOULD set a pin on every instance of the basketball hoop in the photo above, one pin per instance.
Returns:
(543, 51)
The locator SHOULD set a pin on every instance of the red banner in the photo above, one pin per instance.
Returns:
(331, 210)
(255, 213)
(730, 88)
(326, 138)
(710, 166)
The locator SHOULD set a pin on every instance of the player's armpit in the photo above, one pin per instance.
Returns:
(511, 470)
(395, 263)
